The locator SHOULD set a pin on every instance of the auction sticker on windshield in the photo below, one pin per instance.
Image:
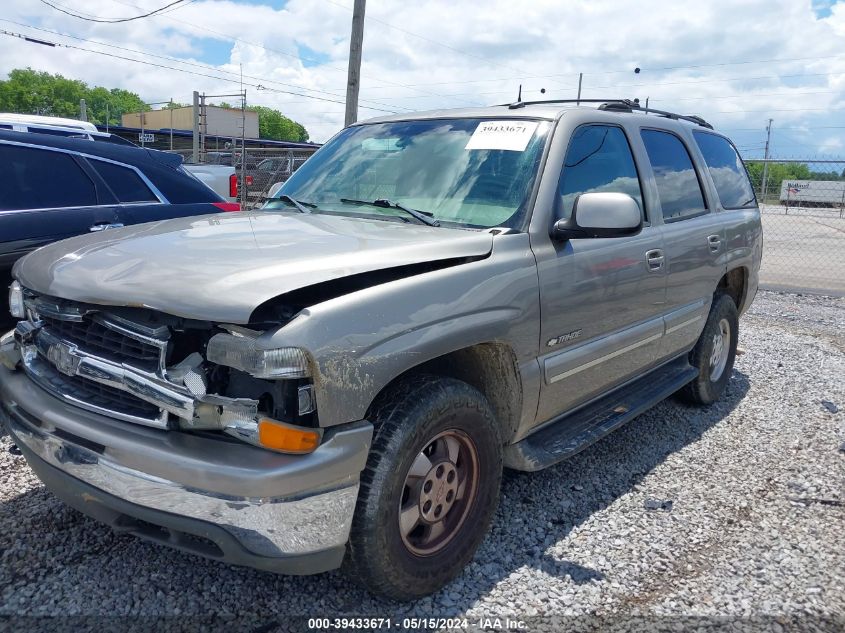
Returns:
(507, 135)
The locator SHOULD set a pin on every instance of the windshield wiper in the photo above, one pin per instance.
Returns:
(383, 203)
(302, 207)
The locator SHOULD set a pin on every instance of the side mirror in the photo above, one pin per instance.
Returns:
(600, 215)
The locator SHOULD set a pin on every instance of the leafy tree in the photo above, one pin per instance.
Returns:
(32, 92)
(778, 172)
(272, 124)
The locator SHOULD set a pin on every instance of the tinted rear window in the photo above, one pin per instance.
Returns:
(41, 179)
(727, 170)
(677, 183)
(124, 182)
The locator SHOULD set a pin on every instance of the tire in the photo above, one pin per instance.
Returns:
(713, 376)
(422, 420)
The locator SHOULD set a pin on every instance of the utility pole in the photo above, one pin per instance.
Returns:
(83, 110)
(764, 184)
(353, 83)
(196, 144)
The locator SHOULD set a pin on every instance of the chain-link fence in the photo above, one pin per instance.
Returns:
(803, 209)
(258, 171)
(263, 170)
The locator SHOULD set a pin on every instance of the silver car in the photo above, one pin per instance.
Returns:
(340, 377)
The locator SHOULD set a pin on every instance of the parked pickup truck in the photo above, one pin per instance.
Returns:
(339, 377)
(221, 179)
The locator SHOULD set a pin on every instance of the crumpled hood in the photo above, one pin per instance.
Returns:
(221, 267)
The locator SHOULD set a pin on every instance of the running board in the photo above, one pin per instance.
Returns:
(573, 432)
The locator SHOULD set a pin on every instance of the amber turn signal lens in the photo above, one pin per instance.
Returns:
(287, 438)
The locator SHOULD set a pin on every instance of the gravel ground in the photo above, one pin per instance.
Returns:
(754, 528)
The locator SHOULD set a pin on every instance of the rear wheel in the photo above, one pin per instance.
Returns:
(714, 353)
(429, 490)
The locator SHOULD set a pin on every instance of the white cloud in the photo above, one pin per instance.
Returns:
(832, 145)
(686, 51)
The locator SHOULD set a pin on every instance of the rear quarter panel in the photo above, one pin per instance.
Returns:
(744, 247)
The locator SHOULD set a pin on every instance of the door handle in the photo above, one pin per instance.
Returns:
(715, 243)
(105, 225)
(655, 259)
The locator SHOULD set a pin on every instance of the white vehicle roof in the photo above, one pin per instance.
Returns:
(46, 121)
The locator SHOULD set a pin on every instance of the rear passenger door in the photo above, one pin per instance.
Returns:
(693, 239)
(137, 200)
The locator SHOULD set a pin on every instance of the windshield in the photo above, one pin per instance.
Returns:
(467, 172)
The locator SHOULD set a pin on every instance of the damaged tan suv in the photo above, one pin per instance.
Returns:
(339, 377)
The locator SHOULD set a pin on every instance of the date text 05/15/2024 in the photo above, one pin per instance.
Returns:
(425, 623)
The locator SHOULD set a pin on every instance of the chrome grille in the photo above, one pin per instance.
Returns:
(81, 354)
(92, 395)
(96, 338)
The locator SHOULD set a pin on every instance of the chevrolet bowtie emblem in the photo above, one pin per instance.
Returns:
(63, 357)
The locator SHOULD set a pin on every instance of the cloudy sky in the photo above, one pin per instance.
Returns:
(737, 63)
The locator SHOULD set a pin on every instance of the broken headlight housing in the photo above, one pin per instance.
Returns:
(240, 352)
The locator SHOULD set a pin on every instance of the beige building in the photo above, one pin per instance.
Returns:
(218, 121)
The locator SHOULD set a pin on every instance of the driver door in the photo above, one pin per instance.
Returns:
(602, 298)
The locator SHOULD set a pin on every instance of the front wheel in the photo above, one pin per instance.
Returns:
(714, 353)
(429, 490)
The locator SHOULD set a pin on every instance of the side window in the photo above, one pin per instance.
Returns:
(50, 131)
(726, 169)
(41, 179)
(598, 159)
(124, 182)
(677, 183)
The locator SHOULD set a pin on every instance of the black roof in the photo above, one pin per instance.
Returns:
(137, 156)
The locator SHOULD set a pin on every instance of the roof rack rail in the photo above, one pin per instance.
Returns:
(522, 104)
(617, 105)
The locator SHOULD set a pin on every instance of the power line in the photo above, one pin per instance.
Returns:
(491, 62)
(226, 36)
(182, 70)
(64, 10)
(428, 39)
(188, 63)
(521, 77)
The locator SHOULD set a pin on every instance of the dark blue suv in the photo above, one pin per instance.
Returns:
(54, 187)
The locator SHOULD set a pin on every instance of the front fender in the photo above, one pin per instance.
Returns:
(362, 341)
